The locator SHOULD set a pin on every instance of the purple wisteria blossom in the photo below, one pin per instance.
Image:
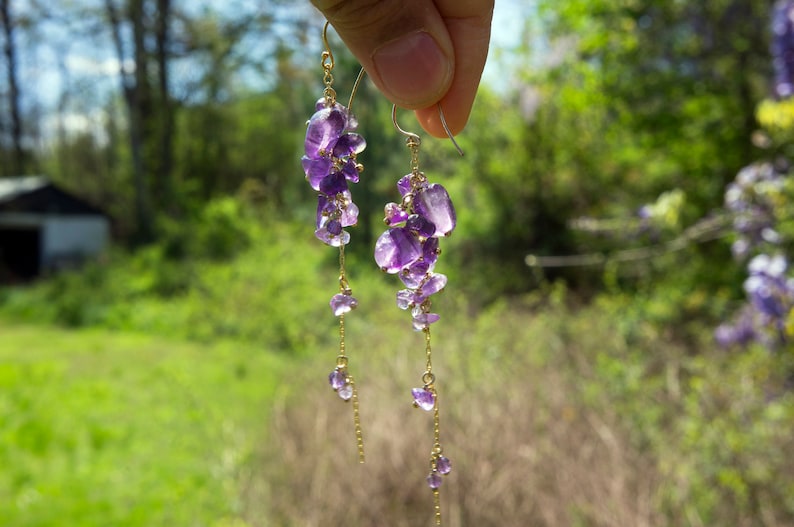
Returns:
(769, 287)
(750, 197)
(783, 47)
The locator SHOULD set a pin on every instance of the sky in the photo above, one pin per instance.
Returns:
(509, 18)
(91, 65)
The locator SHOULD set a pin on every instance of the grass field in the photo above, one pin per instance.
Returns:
(193, 393)
(103, 428)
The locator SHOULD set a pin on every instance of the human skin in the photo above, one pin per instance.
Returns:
(419, 53)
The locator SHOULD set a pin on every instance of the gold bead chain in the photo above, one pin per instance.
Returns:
(342, 359)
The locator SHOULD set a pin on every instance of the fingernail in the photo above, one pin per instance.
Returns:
(413, 68)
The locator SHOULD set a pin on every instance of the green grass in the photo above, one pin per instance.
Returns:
(189, 391)
(100, 428)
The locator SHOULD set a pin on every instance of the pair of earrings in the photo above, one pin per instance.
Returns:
(408, 248)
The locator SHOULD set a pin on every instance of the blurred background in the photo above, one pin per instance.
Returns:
(615, 347)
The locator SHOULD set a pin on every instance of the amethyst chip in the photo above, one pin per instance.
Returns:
(443, 465)
(434, 480)
(341, 304)
(424, 399)
(397, 249)
(435, 205)
(325, 128)
(337, 379)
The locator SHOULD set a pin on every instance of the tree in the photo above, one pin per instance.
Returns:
(682, 77)
(10, 54)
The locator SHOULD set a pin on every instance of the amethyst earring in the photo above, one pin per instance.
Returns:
(410, 249)
(330, 165)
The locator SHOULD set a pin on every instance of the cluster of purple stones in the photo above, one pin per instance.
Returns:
(330, 165)
(441, 466)
(409, 248)
(425, 398)
(341, 384)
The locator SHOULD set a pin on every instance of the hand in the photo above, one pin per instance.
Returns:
(419, 52)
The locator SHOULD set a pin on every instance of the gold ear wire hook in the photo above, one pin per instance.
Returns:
(415, 138)
(355, 89)
(446, 129)
(411, 136)
(327, 54)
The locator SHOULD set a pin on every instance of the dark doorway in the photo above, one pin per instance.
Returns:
(20, 253)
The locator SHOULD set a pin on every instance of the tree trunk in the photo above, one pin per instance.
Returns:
(164, 177)
(10, 52)
(134, 88)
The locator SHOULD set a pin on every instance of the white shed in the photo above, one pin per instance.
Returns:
(44, 228)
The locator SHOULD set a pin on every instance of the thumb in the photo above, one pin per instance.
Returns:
(403, 45)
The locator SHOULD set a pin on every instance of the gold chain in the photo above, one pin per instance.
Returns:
(413, 144)
(328, 65)
(437, 505)
(342, 359)
(357, 421)
(428, 352)
(429, 380)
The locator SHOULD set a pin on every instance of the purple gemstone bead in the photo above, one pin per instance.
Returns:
(335, 183)
(348, 144)
(404, 185)
(327, 238)
(325, 128)
(422, 320)
(434, 284)
(430, 251)
(320, 104)
(434, 480)
(435, 205)
(345, 392)
(394, 214)
(316, 170)
(443, 465)
(420, 225)
(397, 249)
(341, 304)
(413, 275)
(325, 208)
(333, 227)
(337, 379)
(350, 170)
(405, 298)
(349, 216)
(424, 399)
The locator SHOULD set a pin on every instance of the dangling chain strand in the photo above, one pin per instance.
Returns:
(341, 359)
(437, 450)
(331, 148)
(410, 248)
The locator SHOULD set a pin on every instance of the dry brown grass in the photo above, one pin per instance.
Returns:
(526, 450)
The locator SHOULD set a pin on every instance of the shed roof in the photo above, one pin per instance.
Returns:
(14, 186)
(37, 194)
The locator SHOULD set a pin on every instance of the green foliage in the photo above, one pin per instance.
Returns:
(103, 428)
(732, 447)
(640, 102)
(153, 432)
(188, 285)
